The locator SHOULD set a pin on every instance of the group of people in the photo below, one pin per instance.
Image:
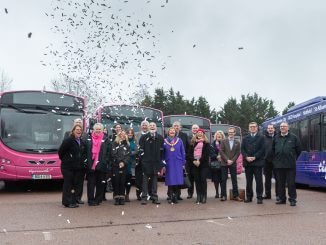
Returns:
(100, 157)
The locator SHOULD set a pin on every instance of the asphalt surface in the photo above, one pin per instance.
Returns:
(33, 214)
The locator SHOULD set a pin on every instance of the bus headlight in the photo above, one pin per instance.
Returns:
(5, 161)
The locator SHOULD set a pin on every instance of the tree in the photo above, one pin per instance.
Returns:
(251, 108)
(5, 81)
(202, 107)
(288, 107)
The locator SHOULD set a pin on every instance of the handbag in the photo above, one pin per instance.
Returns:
(186, 182)
(215, 165)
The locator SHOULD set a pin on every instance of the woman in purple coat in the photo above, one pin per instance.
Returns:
(174, 157)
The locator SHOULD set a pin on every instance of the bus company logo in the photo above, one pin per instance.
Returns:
(322, 167)
(40, 162)
(294, 116)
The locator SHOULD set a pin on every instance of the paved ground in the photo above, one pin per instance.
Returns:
(35, 216)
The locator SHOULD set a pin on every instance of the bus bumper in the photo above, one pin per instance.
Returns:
(14, 173)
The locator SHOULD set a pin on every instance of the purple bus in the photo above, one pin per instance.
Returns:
(307, 120)
(32, 127)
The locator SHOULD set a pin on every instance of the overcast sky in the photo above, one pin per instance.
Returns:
(212, 48)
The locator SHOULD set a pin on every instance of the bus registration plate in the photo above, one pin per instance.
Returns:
(41, 176)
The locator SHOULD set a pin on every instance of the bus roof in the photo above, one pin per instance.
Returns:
(313, 101)
(43, 91)
(137, 106)
(302, 110)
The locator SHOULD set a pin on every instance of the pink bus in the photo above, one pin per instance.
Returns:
(32, 127)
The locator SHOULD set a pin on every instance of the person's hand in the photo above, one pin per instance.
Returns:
(229, 162)
(121, 164)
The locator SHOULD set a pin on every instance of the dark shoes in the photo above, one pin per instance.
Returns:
(189, 196)
(121, 201)
(93, 204)
(259, 201)
(204, 199)
(223, 199)
(127, 198)
(280, 202)
(143, 201)
(155, 201)
(79, 202)
(180, 198)
(248, 200)
(71, 205)
(217, 195)
(267, 197)
(116, 201)
(293, 203)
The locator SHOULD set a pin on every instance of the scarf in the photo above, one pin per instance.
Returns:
(96, 146)
(170, 140)
(198, 149)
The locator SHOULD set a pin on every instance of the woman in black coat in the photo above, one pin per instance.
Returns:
(215, 155)
(198, 155)
(120, 158)
(98, 156)
(72, 154)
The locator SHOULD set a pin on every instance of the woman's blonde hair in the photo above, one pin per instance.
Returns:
(194, 139)
(118, 139)
(219, 132)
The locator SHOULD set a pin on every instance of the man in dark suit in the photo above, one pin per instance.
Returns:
(150, 149)
(253, 152)
(230, 151)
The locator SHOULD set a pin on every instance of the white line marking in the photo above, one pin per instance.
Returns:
(47, 236)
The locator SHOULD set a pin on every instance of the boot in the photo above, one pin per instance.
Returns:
(138, 192)
(198, 200)
(127, 198)
(216, 189)
(204, 198)
(174, 198)
(121, 201)
(116, 201)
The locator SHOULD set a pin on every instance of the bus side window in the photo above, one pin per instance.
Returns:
(303, 130)
(314, 133)
(323, 130)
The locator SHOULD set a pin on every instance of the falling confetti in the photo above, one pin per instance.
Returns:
(123, 213)
(68, 221)
(148, 226)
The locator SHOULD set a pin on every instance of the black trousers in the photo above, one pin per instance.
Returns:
(95, 186)
(252, 171)
(286, 176)
(119, 183)
(149, 186)
(200, 176)
(71, 178)
(138, 178)
(234, 179)
(189, 169)
(80, 184)
(269, 171)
